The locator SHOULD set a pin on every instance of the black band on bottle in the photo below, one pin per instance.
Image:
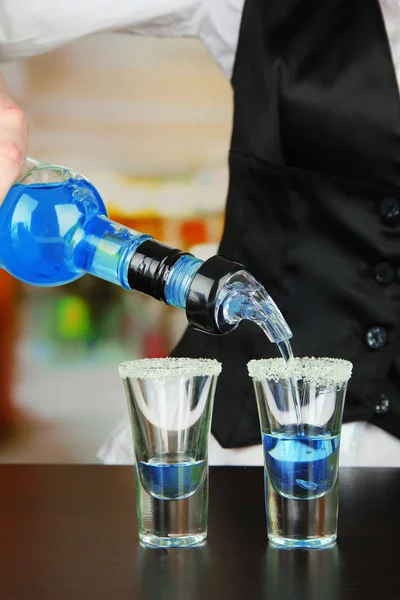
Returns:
(150, 266)
(204, 292)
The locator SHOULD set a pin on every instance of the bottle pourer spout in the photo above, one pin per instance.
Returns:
(223, 293)
(205, 292)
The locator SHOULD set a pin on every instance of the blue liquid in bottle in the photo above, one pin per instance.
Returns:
(53, 233)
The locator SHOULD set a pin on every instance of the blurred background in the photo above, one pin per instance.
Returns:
(148, 121)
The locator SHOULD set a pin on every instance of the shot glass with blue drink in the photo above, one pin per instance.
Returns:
(170, 403)
(301, 458)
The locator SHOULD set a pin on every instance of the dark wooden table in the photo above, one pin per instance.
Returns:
(69, 532)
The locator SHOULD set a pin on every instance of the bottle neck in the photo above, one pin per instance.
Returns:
(104, 248)
(162, 272)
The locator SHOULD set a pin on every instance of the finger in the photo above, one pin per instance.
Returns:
(13, 143)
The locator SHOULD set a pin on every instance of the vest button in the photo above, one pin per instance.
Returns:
(389, 210)
(376, 338)
(382, 407)
(384, 273)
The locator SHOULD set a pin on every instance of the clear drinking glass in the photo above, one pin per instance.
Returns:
(170, 403)
(301, 456)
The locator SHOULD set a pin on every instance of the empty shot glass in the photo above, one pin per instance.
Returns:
(170, 402)
(301, 457)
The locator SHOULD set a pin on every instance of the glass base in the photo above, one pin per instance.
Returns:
(317, 542)
(189, 541)
(300, 523)
(179, 523)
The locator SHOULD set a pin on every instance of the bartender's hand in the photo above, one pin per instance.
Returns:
(13, 139)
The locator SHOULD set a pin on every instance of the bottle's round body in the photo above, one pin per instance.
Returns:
(41, 226)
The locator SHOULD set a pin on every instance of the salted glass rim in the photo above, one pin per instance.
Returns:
(169, 368)
(318, 371)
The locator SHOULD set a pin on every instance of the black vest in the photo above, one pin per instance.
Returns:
(313, 209)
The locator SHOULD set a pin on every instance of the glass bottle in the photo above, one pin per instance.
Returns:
(54, 228)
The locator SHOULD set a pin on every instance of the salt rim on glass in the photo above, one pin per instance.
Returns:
(314, 371)
(169, 368)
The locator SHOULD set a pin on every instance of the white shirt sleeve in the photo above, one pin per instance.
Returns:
(29, 27)
(219, 31)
